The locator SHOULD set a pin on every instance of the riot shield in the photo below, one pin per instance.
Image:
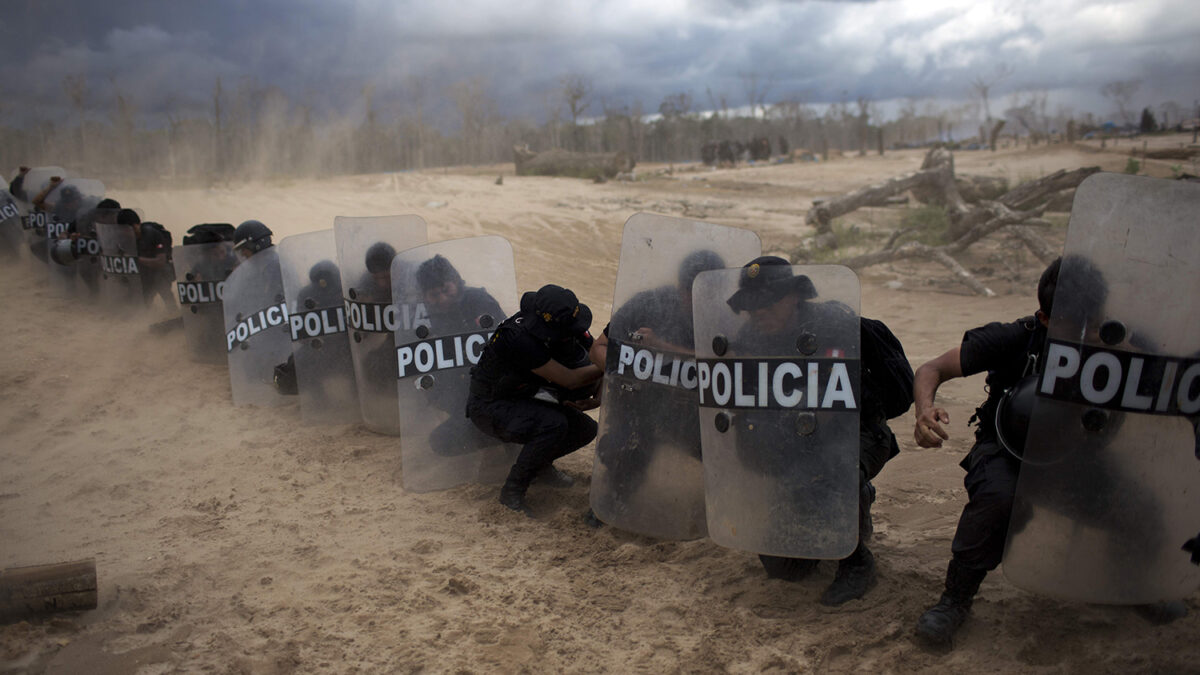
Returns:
(200, 274)
(120, 278)
(647, 477)
(257, 334)
(11, 235)
(365, 249)
(72, 202)
(33, 183)
(1109, 488)
(317, 329)
(778, 388)
(459, 290)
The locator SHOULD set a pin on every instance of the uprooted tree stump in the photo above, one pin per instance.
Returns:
(1017, 210)
(42, 589)
(573, 164)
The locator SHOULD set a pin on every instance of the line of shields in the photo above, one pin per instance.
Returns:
(368, 323)
(73, 238)
(740, 419)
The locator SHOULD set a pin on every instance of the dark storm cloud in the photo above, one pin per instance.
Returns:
(168, 55)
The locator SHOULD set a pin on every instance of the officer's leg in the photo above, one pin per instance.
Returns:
(856, 574)
(978, 544)
(547, 431)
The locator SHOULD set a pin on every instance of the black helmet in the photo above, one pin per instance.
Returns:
(252, 235)
(379, 257)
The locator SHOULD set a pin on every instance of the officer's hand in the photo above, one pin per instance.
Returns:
(928, 431)
(23, 169)
(584, 405)
(1193, 546)
(56, 179)
(645, 335)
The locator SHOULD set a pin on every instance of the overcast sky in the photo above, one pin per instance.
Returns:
(168, 53)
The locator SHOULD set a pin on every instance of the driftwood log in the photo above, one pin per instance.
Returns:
(1019, 210)
(574, 164)
(41, 589)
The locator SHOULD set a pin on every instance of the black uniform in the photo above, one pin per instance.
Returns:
(1004, 351)
(502, 403)
(666, 415)
(152, 243)
(474, 311)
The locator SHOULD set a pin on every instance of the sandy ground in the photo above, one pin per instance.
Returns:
(237, 540)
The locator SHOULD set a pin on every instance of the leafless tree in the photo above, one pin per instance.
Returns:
(1121, 92)
(982, 87)
(577, 94)
(756, 88)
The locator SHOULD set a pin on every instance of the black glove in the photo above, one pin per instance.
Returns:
(1193, 546)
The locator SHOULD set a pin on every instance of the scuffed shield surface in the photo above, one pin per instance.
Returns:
(34, 220)
(371, 315)
(1110, 487)
(256, 329)
(72, 203)
(200, 274)
(648, 477)
(460, 290)
(11, 235)
(312, 286)
(120, 276)
(779, 395)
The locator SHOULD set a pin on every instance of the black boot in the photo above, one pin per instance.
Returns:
(939, 623)
(855, 576)
(512, 493)
(787, 569)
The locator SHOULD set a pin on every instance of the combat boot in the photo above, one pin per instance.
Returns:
(512, 493)
(939, 623)
(855, 576)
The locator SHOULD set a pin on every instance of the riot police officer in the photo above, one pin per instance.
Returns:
(1006, 351)
(251, 237)
(516, 364)
(778, 302)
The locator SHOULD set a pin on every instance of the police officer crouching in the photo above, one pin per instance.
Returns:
(505, 400)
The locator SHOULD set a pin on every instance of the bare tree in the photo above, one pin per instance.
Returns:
(981, 87)
(1121, 93)
(576, 93)
(75, 87)
(719, 103)
(756, 88)
(218, 155)
(478, 111)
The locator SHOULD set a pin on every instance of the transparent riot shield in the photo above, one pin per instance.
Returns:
(120, 278)
(647, 476)
(778, 387)
(69, 204)
(85, 248)
(312, 286)
(257, 337)
(200, 274)
(33, 183)
(1109, 488)
(459, 290)
(11, 235)
(365, 249)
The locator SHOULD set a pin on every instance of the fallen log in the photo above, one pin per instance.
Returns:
(42, 589)
(573, 164)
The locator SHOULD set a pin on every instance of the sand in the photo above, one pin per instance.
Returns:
(238, 540)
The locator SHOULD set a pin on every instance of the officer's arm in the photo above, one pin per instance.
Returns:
(568, 378)
(598, 354)
(928, 431)
(40, 200)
